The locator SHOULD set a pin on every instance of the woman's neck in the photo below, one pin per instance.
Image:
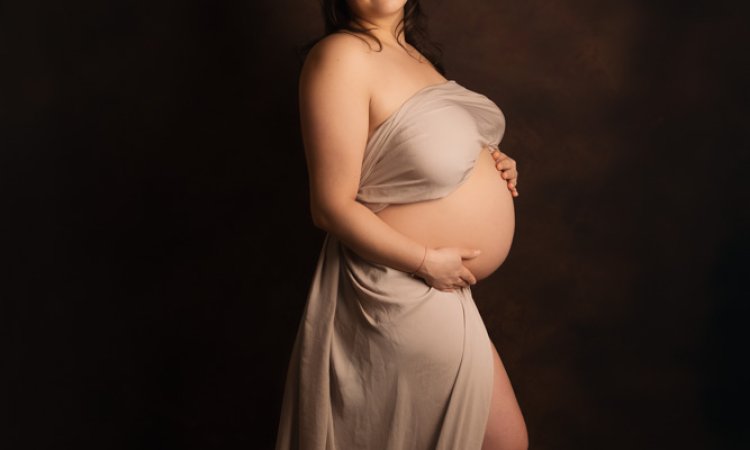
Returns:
(385, 28)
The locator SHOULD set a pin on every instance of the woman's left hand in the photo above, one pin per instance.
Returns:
(507, 167)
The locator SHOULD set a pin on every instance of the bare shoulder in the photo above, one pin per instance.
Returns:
(341, 45)
(337, 58)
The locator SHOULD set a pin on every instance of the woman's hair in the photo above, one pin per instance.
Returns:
(338, 17)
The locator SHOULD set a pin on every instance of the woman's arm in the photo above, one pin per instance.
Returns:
(334, 95)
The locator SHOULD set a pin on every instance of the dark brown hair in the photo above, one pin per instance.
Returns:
(338, 17)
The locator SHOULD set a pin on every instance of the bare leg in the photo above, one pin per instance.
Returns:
(506, 429)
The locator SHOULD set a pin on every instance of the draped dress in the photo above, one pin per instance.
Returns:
(382, 360)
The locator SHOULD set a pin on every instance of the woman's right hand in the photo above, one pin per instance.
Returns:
(444, 270)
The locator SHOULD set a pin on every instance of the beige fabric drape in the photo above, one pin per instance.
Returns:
(382, 360)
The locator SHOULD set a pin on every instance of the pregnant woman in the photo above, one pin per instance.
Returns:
(391, 352)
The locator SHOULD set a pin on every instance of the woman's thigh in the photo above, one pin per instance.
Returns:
(506, 429)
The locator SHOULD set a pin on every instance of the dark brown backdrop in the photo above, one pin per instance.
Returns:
(159, 249)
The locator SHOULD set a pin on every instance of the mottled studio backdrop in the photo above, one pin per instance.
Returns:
(157, 245)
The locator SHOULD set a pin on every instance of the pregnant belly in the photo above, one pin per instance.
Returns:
(478, 214)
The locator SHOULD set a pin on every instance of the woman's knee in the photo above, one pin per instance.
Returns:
(506, 438)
